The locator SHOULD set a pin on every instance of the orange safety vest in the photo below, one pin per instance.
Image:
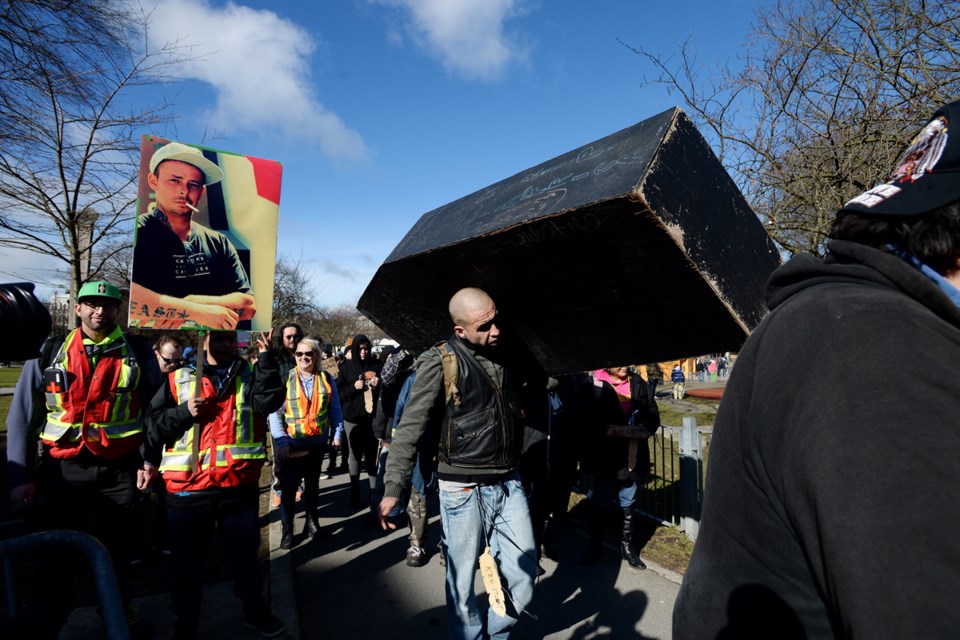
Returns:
(230, 451)
(307, 418)
(100, 408)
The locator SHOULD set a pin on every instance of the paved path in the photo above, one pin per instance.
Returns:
(355, 585)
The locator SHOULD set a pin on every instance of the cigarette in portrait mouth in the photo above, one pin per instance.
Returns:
(192, 208)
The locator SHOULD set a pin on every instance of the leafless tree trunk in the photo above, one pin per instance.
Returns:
(294, 293)
(826, 95)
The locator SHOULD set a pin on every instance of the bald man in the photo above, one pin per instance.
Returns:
(482, 503)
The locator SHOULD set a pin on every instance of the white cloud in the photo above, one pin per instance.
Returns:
(467, 36)
(259, 65)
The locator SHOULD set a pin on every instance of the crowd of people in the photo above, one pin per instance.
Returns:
(472, 427)
(803, 526)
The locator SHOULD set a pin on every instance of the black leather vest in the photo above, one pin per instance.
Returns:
(485, 431)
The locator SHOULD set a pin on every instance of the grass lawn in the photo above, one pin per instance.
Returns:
(9, 376)
(705, 411)
(4, 408)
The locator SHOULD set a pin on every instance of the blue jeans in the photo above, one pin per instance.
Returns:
(501, 511)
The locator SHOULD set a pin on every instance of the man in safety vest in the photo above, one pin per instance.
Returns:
(85, 398)
(211, 466)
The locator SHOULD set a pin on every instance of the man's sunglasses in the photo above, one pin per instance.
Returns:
(171, 360)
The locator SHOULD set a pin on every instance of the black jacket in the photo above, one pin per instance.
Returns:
(352, 402)
(831, 489)
(605, 455)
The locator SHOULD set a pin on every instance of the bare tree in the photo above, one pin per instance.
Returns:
(69, 134)
(342, 323)
(827, 94)
(294, 293)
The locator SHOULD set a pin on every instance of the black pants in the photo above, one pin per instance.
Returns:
(191, 528)
(363, 447)
(305, 468)
(97, 496)
(93, 495)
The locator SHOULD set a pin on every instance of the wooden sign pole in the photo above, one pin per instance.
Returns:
(197, 393)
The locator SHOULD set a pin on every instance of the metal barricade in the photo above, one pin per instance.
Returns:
(108, 591)
(673, 491)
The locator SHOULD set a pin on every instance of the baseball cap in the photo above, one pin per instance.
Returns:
(927, 175)
(98, 289)
(190, 155)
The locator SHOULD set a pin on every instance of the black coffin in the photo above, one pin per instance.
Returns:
(635, 248)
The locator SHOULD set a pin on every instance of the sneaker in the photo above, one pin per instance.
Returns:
(416, 557)
(276, 499)
(324, 475)
(266, 623)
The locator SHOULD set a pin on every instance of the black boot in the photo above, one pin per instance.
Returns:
(313, 527)
(286, 535)
(626, 541)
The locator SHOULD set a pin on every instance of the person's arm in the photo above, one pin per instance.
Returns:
(23, 422)
(276, 424)
(334, 412)
(151, 378)
(269, 392)
(244, 304)
(646, 412)
(160, 311)
(404, 397)
(166, 421)
(349, 377)
(427, 390)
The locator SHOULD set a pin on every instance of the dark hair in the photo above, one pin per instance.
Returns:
(934, 237)
(168, 338)
(295, 326)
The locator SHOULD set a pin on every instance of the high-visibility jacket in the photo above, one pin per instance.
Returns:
(230, 452)
(307, 418)
(100, 408)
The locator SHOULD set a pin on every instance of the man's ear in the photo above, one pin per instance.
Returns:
(152, 180)
(458, 330)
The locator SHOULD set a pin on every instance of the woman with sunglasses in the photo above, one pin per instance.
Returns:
(300, 429)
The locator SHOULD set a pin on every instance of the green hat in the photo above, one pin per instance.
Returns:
(98, 289)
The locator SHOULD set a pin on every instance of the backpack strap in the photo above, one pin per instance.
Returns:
(451, 374)
(51, 346)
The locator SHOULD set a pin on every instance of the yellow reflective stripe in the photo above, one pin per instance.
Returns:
(119, 429)
(53, 431)
(184, 382)
(248, 452)
(179, 460)
(176, 461)
(244, 432)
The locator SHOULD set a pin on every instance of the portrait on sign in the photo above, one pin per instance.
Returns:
(206, 239)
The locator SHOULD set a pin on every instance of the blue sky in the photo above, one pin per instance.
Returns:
(382, 110)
